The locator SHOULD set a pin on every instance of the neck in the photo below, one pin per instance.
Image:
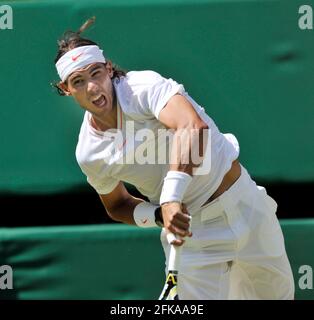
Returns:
(110, 121)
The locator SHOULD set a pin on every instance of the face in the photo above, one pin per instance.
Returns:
(92, 88)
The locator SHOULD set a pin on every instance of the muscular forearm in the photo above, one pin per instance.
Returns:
(124, 212)
(188, 150)
(187, 153)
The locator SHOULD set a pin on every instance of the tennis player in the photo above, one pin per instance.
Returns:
(233, 247)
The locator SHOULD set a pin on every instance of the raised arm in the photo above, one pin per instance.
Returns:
(180, 115)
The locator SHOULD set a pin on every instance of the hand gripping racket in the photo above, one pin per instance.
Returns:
(169, 291)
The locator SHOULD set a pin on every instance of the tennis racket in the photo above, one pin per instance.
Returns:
(169, 291)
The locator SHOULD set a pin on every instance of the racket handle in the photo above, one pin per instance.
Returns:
(174, 255)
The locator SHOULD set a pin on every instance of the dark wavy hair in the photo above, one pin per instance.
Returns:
(71, 40)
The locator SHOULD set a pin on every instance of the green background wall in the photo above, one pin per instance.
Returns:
(110, 262)
(246, 62)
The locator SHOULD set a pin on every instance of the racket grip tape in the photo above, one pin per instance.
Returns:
(174, 258)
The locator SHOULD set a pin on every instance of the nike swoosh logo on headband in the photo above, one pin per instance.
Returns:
(74, 58)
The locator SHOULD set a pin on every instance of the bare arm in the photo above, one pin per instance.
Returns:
(180, 115)
(120, 204)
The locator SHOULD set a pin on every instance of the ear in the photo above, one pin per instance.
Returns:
(64, 88)
(109, 68)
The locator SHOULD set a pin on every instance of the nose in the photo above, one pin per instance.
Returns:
(92, 87)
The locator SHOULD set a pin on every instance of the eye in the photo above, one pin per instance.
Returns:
(77, 82)
(95, 73)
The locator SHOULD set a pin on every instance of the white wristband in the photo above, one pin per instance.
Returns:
(174, 187)
(144, 215)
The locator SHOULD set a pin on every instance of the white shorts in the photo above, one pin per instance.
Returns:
(237, 248)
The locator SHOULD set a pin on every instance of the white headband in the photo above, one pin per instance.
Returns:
(78, 58)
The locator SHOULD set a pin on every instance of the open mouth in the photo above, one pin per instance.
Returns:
(99, 101)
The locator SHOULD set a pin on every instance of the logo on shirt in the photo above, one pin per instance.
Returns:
(122, 145)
